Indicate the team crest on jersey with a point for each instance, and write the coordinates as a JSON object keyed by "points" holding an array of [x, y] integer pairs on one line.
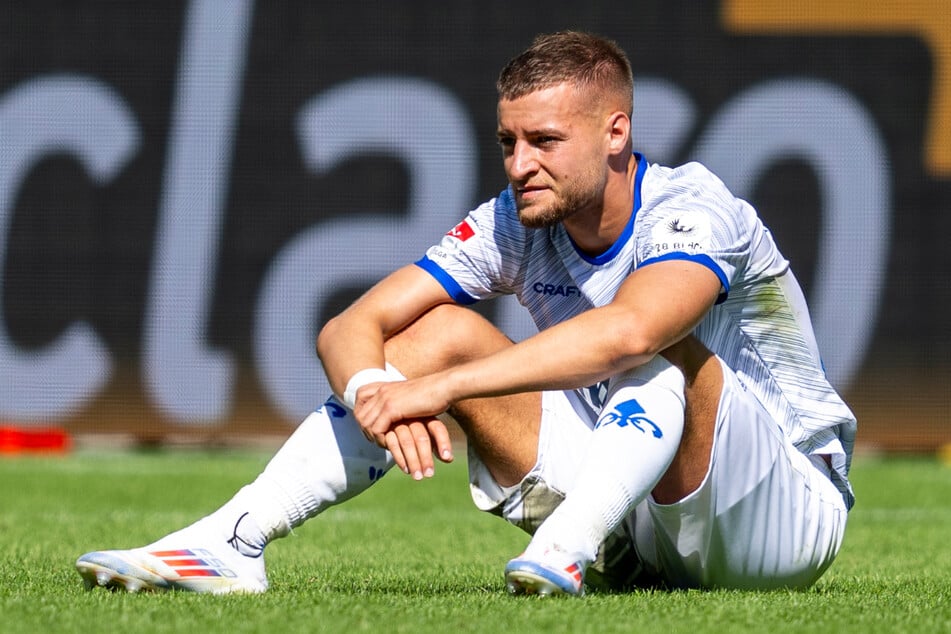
{"points": [[462, 231], [683, 231]]}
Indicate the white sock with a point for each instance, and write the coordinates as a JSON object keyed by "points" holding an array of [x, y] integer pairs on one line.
{"points": [[632, 446], [327, 460]]}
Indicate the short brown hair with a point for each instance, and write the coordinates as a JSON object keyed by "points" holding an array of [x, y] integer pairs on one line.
{"points": [[589, 61]]}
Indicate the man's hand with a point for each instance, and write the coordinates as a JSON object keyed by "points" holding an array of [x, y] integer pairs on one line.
{"points": [[412, 446], [401, 417]]}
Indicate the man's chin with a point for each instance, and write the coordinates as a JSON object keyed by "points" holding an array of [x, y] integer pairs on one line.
{"points": [[537, 222], [536, 217], [529, 219]]}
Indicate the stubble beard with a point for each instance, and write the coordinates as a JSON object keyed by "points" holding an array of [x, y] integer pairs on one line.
{"points": [[584, 195], [534, 216]]}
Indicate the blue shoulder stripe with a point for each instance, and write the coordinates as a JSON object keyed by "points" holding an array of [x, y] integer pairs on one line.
{"points": [[699, 258], [452, 287]]}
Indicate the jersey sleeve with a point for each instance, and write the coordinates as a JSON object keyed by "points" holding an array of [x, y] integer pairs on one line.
{"points": [[695, 217], [479, 257]]}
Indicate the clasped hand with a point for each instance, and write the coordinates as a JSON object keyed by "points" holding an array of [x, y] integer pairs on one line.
{"points": [[401, 417]]}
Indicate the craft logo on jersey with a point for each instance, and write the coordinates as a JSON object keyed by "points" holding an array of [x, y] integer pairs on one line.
{"points": [[556, 289], [462, 231], [630, 413]]}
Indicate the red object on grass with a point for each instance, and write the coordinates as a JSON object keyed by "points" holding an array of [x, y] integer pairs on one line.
{"points": [[20, 440]]}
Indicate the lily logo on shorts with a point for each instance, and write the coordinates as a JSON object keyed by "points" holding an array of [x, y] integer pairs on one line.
{"points": [[629, 413]]}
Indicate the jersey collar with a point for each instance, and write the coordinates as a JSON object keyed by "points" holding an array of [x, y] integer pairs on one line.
{"points": [[612, 252]]}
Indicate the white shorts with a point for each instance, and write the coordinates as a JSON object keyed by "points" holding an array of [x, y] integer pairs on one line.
{"points": [[765, 515]]}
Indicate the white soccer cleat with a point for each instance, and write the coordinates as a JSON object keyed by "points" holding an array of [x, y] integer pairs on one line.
{"points": [[186, 560], [555, 573]]}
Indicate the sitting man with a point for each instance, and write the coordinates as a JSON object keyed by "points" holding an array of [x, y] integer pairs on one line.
{"points": [[670, 423]]}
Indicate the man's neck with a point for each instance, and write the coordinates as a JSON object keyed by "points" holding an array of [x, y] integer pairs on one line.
{"points": [[594, 230]]}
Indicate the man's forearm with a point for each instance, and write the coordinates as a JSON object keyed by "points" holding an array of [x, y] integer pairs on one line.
{"points": [[346, 346], [580, 352], [353, 341]]}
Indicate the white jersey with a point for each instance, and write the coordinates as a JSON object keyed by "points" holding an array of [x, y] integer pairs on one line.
{"points": [[760, 325]]}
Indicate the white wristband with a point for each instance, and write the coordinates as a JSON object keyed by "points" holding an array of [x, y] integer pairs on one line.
{"points": [[364, 377]]}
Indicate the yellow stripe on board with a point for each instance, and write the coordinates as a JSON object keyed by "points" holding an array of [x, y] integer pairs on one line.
{"points": [[929, 20]]}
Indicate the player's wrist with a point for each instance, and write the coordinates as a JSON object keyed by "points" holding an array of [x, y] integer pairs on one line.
{"points": [[364, 377], [456, 385]]}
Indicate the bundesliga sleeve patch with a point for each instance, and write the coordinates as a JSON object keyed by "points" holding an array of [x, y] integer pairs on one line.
{"points": [[683, 231], [462, 231]]}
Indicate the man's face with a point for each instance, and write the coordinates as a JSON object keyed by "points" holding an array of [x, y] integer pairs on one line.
{"points": [[554, 149]]}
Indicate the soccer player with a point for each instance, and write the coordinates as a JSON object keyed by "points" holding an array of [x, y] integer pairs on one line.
{"points": [[671, 422]]}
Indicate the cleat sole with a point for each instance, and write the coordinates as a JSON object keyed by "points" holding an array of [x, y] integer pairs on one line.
{"points": [[524, 576], [523, 582], [94, 576], [118, 571]]}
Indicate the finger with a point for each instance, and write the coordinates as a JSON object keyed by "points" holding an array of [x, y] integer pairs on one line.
{"points": [[362, 401], [376, 423], [377, 438], [366, 413], [393, 445], [368, 434], [424, 448], [408, 445], [440, 435], [381, 418], [381, 438]]}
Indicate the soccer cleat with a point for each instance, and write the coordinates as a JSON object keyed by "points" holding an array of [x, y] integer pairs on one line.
{"points": [[185, 560], [558, 573]]}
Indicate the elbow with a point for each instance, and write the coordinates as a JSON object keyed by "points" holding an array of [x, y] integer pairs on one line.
{"points": [[326, 335], [632, 347]]}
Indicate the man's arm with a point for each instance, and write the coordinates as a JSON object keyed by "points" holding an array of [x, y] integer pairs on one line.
{"points": [[353, 340], [657, 306]]}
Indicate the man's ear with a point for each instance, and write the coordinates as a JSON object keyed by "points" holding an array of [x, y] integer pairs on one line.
{"points": [[619, 131]]}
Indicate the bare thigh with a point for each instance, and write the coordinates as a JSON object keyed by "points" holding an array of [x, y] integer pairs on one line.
{"points": [[504, 430], [703, 384]]}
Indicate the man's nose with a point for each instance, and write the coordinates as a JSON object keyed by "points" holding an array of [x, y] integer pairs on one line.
{"points": [[523, 162]]}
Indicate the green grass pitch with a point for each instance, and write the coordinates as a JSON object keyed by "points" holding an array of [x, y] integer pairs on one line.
{"points": [[418, 557]]}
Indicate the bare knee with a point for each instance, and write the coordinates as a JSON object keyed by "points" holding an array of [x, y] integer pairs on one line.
{"points": [[444, 336], [503, 431]]}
